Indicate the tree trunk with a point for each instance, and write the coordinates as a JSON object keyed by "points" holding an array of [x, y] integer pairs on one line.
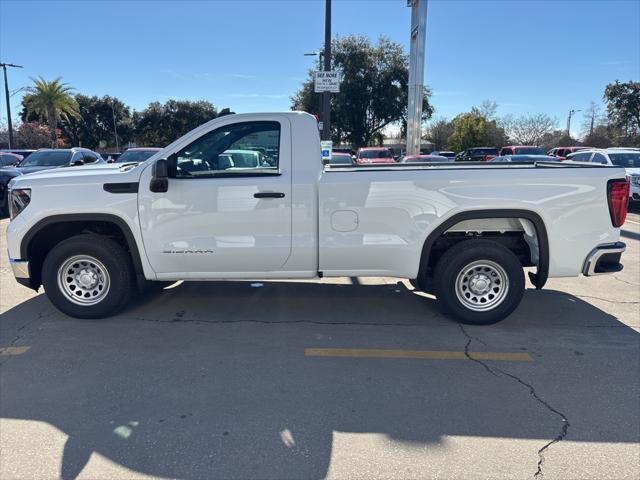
{"points": [[53, 125]]}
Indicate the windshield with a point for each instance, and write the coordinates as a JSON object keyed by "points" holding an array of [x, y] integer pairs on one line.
{"points": [[7, 160], [383, 153], [47, 158], [135, 156], [530, 151], [628, 160]]}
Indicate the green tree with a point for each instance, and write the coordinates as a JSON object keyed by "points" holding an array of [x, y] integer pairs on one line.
{"points": [[95, 122], [471, 129], [51, 101], [438, 133], [623, 108], [373, 90], [159, 125]]}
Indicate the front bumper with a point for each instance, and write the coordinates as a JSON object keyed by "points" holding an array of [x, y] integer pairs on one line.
{"points": [[21, 271], [604, 259]]}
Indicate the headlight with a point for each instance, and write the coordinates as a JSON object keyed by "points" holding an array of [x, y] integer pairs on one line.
{"points": [[18, 201]]}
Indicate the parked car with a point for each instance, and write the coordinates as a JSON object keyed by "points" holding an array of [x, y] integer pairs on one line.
{"points": [[463, 232], [9, 159], [628, 158], [521, 150], [477, 154], [523, 158], [338, 158], [137, 154], [374, 155], [23, 152], [424, 159], [563, 152], [444, 153], [348, 151], [6, 174], [47, 158]]}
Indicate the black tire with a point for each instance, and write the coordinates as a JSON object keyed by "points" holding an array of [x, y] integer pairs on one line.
{"points": [[116, 262], [499, 262]]}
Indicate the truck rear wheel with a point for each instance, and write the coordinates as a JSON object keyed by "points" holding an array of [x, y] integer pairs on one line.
{"points": [[479, 282], [88, 276]]}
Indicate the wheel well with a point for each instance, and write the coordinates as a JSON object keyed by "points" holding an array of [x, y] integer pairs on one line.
{"points": [[44, 239], [522, 232]]}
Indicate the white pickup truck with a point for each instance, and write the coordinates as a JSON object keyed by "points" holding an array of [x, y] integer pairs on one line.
{"points": [[247, 196]]}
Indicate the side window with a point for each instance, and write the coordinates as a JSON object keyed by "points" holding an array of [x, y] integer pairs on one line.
{"points": [[581, 157], [248, 148], [89, 157], [76, 156], [599, 158]]}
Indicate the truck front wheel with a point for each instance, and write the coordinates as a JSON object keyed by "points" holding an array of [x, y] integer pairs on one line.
{"points": [[479, 282], [88, 276]]}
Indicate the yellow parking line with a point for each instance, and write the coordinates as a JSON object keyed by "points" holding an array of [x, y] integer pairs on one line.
{"points": [[13, 350], [424, 354]]}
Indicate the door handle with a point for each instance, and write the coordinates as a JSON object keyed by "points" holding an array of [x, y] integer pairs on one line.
{"points": [[269, 195]]}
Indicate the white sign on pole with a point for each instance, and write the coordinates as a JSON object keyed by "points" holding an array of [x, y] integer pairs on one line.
{"points": [[327, 82], [327, 147]]}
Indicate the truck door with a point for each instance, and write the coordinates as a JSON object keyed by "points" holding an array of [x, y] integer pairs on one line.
{"points": [[228, 204]]}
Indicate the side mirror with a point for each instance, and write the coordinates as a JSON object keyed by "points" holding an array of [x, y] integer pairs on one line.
{"points": [[78, 163], [160, 179]]}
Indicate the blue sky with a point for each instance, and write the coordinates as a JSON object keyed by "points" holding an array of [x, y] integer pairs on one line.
{"points": [[530, 56]]}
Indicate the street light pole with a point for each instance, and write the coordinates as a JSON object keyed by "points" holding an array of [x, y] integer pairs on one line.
{"points": [[6, 94], [571, 112], [320, 95], [326, 96], [416, 74]]}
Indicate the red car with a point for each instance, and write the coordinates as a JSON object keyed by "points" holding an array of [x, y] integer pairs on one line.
{"points": [[562, 152], [521, 150], [374, 155]]}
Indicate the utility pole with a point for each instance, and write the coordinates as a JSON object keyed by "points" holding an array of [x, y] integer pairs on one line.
{"points": [[115, 130], [571, 112], [416, 74], [6, 94], [593, 118], [326, 96]]}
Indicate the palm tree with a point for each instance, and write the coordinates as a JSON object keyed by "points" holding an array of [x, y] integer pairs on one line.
{"points": [[51, 100]]}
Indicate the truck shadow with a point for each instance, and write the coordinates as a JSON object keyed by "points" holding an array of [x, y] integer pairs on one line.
{"points": [[210, 380]]}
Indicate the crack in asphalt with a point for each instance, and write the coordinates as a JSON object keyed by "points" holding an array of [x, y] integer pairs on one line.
{"points": [[560, 294], [12, 343], [180, 319], [627, 282], [532, 391]]}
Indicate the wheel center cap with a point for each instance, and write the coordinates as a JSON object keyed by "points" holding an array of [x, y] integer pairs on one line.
{"points": [[86, 279], [480, 284]]}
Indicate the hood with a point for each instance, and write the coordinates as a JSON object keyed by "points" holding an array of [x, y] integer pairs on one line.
{"points": [[87, 173], [25, 170]]}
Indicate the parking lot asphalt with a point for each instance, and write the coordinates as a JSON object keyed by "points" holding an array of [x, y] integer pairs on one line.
{"points": [[337, 378]]}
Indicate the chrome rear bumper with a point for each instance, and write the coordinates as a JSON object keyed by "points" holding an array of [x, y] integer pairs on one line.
{"points": [[604, 259]]}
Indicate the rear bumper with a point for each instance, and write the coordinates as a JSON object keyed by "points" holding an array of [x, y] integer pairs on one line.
{"points": [[604, 259]]}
